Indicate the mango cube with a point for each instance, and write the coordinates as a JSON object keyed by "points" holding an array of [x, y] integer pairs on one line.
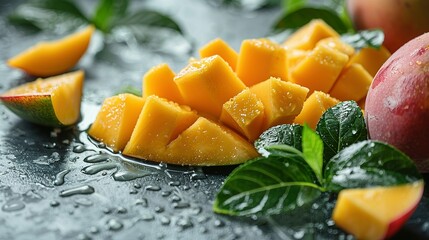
{"points": [[314, 107], [116, 120], [294, 57], [352, 84], [371, 59], [282, 100], [221, 48], [207, 84], [337, 44], [245, 114], [307, 36], [319, 70], [159, 80], [260, 59]]}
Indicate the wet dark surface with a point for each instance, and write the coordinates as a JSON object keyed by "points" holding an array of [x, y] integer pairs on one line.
{"points": [[57, 184]]}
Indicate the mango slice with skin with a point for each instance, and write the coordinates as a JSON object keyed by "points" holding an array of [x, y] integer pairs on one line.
{"points": [[378, 212], [116, 120], [53, 101], [207, 84], [282, 100], [314, 107], [371, 59], [221, 48], [55, 57], [260, 59], [159, 81]]}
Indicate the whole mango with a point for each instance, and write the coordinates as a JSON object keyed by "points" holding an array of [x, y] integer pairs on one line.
{"points": [[397, 104]]}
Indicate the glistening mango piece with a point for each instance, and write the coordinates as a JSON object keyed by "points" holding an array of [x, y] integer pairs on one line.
{"points": [[352, 84], [282, 100], [116, 120], [376, 213], [207, 143], [314, 107], [159, 80], [319, 70], [221, 48], [55, 57], [307, 36], [53, 101], [294, 57], [371, 59], [207, 84], [159, 122], [245, 114], [337, 44], [260, 59]]}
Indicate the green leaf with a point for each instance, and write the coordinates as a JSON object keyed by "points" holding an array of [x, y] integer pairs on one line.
{"points": [[341, 126], [288, 134], [130, 89], [148, 18], [301, 16], [368, 164], [267, 186], [312, 149], [109, 11], [292, 5], [366, 38], [59, 15]]}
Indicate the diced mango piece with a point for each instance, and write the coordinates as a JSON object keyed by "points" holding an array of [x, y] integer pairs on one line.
{"points": [[244, 113], [221, 48], [282, 100], [159, 80], [337, 44], [206, 143], [116, 120], [371, 59], [352, 84], [260, 59], [159, 122], [307, 36], [319, 70], [294, 57], [314, 107], [207, 84]]}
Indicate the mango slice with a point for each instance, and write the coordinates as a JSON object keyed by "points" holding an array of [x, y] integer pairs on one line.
{"points": [[207, 84], [55, 57], [376, 213], [245, 114], [159, 122], [319, 70], [159, 80], [337, 44], [206, 143], [116, 119], [221, 48], [307, 36], [314, 107], [371, 59], [282, 100], [352, 84], [260, 59], [53, 101]]}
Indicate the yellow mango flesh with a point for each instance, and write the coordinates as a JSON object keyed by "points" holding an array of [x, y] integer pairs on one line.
{"points": [[319, 70], [376, 213], [206, 143], [282, 100], [159, 81], [371, 59], [55, 57], [260, 59], [116, 120], [352, 84], [245, 114], [337, 44], [307, 36], [159, 122], [207, 84], [294, 57], [221, 48], [314, 107]]}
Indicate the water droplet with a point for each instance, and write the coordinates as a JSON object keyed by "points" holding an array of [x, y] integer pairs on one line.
{"points": [[81, 149], [146, 217], [203, 230], [54, 203], [95, 168], [164, 220], [218, 223], [83, 236], [175, 198], [184, 223], [165, 193], [128, 176], [196, 210], [299, 234], [133, 191], [94, 230], [31, 196], [121, 210], [49, 145], [152, 188], [13, 205], [159, 209], [59, 178], [186, 188], [180, 205], [198, 176], [84, 202], [86, 189], [96, 158], [330, 223], [137, 185], [114, 225], [142, 201], [107, 211], [174, 183]]}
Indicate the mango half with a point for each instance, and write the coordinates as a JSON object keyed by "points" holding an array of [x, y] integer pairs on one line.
{"points": [[54, 101]]}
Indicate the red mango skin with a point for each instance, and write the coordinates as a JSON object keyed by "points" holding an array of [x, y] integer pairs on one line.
{"points": [[397, 104], [401, 20]]}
